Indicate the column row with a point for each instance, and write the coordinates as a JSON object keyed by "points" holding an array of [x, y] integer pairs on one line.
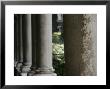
{"points": [[33, 45]]}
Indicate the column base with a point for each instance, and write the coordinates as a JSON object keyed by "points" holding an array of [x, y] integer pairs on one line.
{"points": [[52, 74], [18, 66], [16, 73], [24, 70], [15, 63], [32, 71], [23, 74], [45, 72]]}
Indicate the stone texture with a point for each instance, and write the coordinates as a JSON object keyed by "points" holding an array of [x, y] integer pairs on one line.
{"points": [[80, 44], [44, 47], [27, 44]]}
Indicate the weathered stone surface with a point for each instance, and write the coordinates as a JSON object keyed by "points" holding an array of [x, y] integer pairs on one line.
{"points": [[80, 44]]}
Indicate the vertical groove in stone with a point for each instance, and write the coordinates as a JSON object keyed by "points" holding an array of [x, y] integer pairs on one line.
{"points": [[34, 30]]}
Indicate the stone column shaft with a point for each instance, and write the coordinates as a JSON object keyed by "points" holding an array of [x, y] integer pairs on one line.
{"points": [[15, 40], [34, 45], [20, 43], [21, 40], [44, 63], [27, 44], [46, 41], [80, 38], [16, 45]]}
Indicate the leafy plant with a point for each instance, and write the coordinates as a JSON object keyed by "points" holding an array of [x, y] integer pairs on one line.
{"points": [[58, 53]]}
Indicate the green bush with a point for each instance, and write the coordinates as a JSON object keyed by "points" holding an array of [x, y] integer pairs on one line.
{"points": [[58, 53]]}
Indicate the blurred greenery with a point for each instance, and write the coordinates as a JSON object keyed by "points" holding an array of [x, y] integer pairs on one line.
{"points": [[58, 53]]}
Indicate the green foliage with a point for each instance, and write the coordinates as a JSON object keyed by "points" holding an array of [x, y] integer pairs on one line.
{"points": [[57, 38], [58, 53], [58, 48]]}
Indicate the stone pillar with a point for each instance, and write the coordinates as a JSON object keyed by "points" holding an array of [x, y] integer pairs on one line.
{"points": [[44, 63], [20, 43], [27, 45], [80, 35], [34, 45], [16, 45], [15, 40]]}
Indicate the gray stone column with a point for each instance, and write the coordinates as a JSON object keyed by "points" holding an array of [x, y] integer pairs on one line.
{"points": [[34, 45], [16, 55], [44, 63], [27, 45], [17, 44], [20, 42], [80, 44]]}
